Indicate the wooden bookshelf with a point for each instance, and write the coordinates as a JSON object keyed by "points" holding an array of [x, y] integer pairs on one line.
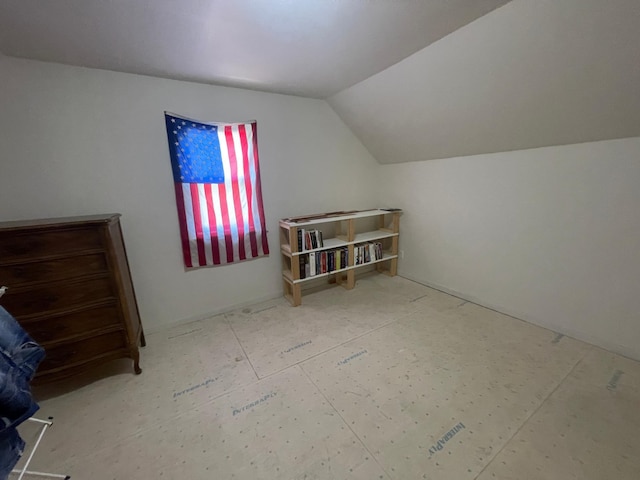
{"points": [[369, 235]]}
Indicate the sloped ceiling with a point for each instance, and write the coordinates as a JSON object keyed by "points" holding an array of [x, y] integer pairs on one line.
{"points": [[532, 73], [413, 79], [312, 48]]}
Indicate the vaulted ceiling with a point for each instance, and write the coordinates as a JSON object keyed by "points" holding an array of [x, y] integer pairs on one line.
{"points": [[311, 48], [413, 79], [533, 73]]}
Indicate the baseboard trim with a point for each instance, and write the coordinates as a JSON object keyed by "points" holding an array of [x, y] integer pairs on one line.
{"points": [[625, 351], [214, 313]]}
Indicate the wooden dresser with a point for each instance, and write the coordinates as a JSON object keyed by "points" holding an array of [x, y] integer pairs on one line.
{"points": [[71, 290]]}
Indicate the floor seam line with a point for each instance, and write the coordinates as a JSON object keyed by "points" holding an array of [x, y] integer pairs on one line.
{"points": [[329, 349], [375, 459], [241, 347], [526, 420]]}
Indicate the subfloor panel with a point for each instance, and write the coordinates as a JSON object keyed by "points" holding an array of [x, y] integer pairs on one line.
{"points": [[275, 335], [588, 429], [390, 380], [438, 395], [182, 367], [280, 427]]}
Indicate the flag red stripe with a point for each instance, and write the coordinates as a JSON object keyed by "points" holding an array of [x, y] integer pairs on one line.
{"points": [[235, 188], [197, 220], [213, 226], [265, 245], [182, 221], [249, 190]]}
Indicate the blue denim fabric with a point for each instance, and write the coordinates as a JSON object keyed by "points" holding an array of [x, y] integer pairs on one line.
{"points": [[19, 359], [11, 448]]}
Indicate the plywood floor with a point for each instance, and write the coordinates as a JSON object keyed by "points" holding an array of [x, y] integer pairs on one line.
{"points": [[391, 380]]}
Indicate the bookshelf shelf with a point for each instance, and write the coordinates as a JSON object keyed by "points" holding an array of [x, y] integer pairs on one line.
{"points": [[334, 245], [328, 244]]}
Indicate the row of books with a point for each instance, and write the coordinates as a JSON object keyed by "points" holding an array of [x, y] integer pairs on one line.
{"points": [[317, 263], [328, 261], [367, 252], [309, 239]]}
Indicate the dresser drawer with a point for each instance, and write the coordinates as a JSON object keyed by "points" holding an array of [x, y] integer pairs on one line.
{"points": [[15, 246], [52, 270], [70, 289], [77, 352], [38, 301], [57, 328]]}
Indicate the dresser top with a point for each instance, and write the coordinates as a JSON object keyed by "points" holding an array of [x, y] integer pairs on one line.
{"points": [[59, 222]]}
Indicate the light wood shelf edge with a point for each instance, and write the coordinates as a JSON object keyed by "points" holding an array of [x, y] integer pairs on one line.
{"points": [[352, 267]]}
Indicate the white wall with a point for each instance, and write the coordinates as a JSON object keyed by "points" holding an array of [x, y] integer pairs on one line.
{"points": [[77, 141], [532, 73], [549, 235]]}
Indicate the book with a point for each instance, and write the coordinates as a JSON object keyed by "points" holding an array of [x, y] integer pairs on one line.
{"points": [[300, 239], [312, 264], [301, 260], [377, 248]]}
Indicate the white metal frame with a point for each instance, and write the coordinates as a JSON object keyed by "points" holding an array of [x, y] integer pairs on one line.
{"points": [[44, 424]]}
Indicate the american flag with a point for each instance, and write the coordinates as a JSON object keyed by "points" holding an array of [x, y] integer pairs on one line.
{"points": [[217, 185]]}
